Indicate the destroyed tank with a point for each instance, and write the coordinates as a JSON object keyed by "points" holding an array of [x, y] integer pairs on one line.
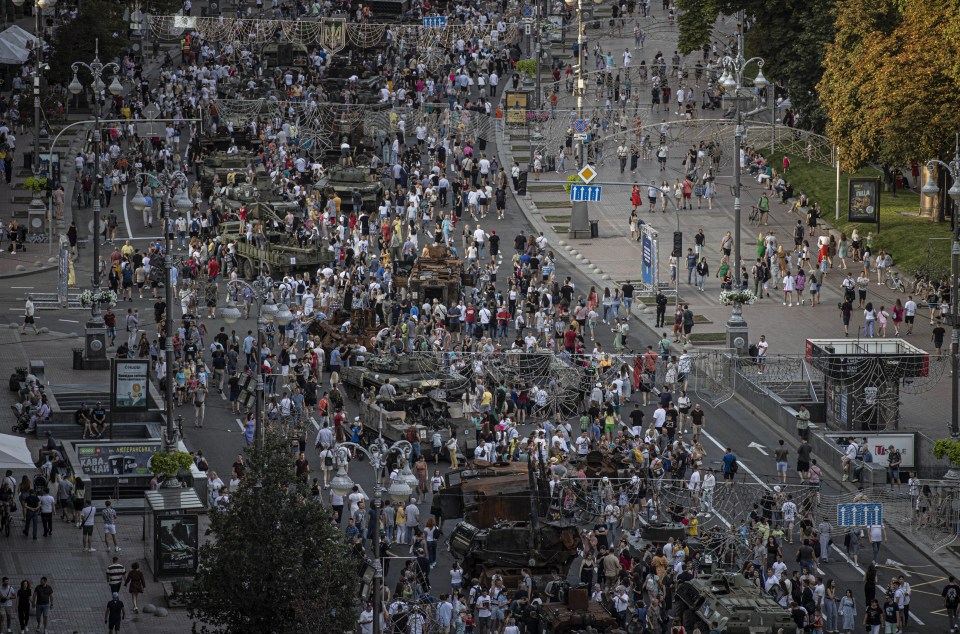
{"points": [[419, 383], [344, 180], [729, 603], [545, 548], [281, 255]]}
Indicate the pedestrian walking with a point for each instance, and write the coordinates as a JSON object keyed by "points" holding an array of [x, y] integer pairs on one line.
{"points": [[42, 603], [116, 572], [109, 516], [136, 583], [29, 310], [114, 614], [87, 520]]}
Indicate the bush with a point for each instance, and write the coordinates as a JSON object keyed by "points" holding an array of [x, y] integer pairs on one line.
{"points": [[170, 464], [949, 449]]}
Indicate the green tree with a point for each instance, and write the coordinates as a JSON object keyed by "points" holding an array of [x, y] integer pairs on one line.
{"points": [[695, 21], [98, 20], [789, 35], [276, 562], [889, 82]]}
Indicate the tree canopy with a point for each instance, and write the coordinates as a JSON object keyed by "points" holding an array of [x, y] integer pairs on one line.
{"points": [[276, 563], [890, 83], [789, 35]]}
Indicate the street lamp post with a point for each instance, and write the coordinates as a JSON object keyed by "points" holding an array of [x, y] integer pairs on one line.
{"points": [[931, 189], [95, 326], [732, 79], [38, 8], [181, 202], [399, 491], [261, 292]]}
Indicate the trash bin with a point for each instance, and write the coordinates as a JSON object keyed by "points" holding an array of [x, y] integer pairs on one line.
{"points": [[551, 163], [594, 228], [78, 358], [27, 159]]}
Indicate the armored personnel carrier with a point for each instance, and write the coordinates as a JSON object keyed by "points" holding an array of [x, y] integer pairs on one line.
{"points": [[227, 169], [344, 180], [729, 603]]}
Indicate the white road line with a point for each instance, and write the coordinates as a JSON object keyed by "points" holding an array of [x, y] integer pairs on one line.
{"points": [[240, 425], [314, 423], [22, 287], [742, 465], [126, 217], [767, 487], [223, 396], [69, 321]]}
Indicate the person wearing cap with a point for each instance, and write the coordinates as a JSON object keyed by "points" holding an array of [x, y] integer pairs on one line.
{"points": [[114, 614]]}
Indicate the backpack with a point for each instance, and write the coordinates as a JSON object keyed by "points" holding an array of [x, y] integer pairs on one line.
{"points": [[734, 466]]}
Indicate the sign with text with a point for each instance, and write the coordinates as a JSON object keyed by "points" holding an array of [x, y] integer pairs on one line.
{"points": [[128, 387], [118, 459], [863, 198], [879, 445]]}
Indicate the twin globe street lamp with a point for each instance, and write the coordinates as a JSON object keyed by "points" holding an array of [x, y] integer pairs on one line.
{"points": [[261, 292], [399, 491], [732, 80], [931, 189], [182, 203]]}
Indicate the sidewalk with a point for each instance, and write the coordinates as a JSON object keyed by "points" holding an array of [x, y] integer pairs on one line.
{"points": [[614, 258]]}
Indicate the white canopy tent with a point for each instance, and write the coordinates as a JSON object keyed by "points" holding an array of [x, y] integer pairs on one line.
{"points": [[12, 54], [15, 45], [18, 36], [14, 453]]}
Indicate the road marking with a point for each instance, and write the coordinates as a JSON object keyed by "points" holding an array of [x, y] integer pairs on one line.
{"points": [[759, 448], [126, 217], [69, 321], [742, 465], [844, 556], [22, 287], [314, 423], [240, 425]]}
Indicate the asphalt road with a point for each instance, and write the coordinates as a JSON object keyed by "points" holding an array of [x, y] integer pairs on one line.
{"points": [[728, 425]]}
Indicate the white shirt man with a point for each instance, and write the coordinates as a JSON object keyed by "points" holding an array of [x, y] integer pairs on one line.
{"points": [[659, 417]]}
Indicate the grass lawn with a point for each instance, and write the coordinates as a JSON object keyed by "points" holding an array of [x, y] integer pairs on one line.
{"points": [[905, 237]]}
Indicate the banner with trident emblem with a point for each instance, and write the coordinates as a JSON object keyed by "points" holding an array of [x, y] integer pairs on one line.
{"points": [[333, 34]]}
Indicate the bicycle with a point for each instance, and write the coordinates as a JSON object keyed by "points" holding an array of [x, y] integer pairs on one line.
{"points": [[894, 283], [755, 215]]}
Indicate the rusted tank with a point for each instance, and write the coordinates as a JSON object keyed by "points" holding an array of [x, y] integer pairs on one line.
{"points": [[542, 548]]}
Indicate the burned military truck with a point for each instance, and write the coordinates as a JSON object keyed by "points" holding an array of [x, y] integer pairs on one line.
{"points": [[728, 602]]}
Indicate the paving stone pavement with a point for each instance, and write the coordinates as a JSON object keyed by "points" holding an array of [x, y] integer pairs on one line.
{"points": [[614, 257]]}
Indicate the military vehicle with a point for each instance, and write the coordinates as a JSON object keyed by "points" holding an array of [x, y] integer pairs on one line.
{"points": [[280, 255], [423, 387], [284, 54], [223, 168], [543, 548], [435, 275], [395, 425], [344, 180], [560, 618], [729, 603]]}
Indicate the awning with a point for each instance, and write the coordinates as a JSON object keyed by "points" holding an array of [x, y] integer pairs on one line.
{"points": [[15, 45]]}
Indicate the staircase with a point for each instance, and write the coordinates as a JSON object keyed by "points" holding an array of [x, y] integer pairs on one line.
{"points": [[795, 391]]}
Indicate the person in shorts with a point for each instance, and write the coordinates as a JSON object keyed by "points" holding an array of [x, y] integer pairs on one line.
{"points": [[88, 517], [114, 614], [109, 516], [780, 456]]}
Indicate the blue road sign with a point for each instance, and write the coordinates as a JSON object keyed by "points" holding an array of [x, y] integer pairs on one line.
{"points": [[435, 22], [859, 514], [580, 125], [585, 193], [527, 11]]}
